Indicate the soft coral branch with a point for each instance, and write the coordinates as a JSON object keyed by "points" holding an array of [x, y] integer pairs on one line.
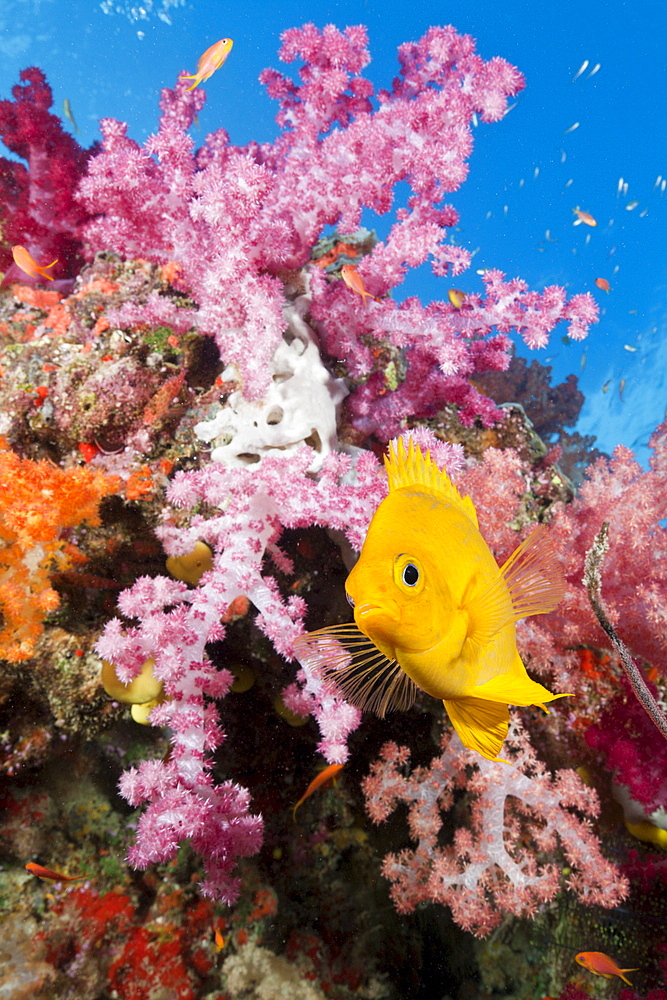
{"points": [[495, 863], [38, 207]]}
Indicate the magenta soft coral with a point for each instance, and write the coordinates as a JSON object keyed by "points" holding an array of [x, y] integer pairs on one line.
{"points": [[632, 749], [242, 218], [38, 207]]}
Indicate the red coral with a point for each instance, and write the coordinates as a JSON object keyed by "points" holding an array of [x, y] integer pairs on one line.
{"points": [[37, 204]]}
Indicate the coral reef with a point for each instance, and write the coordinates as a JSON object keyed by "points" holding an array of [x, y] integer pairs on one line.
{"points": [[209, 389]]}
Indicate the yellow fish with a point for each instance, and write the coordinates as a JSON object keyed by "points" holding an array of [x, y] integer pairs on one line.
{"points": [[209, 61], [432, 610]]}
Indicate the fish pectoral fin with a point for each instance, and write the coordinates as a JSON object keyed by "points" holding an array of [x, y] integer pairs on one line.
{"points": [[366, 677], [534, 576], [531, 582], [481, 725], [511, 689]]}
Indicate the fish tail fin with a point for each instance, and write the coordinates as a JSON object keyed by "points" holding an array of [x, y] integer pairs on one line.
{"points": [[42, 270], [481, 725], [622, 972]]}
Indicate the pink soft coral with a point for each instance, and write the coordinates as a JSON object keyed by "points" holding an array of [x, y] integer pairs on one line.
{"points": [[517, 816], [243, 219]]}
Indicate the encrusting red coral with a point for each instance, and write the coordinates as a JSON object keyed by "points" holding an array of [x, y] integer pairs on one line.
{"points": [[40, 503]]}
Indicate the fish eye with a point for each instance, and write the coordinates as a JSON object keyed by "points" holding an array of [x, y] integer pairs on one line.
{"points": [[410, 575], [350, 600]]}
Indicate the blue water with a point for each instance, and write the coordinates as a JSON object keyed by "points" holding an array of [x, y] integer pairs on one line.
{"points": [[526, 174]]}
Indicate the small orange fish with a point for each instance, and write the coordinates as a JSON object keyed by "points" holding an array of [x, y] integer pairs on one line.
{"points": [[42, 872], [456, 297], [603, 284], [219, 940], [653, 675], [353, 280], [25, 260], [584, 217], [209, 61], [327, 774], [601, 965]]}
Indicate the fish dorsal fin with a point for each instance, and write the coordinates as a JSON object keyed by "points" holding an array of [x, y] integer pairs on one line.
{"points": [[413, 468], [531, 582]]}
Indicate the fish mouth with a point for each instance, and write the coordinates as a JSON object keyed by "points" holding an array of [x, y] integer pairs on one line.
{"points": [[366, 611]]}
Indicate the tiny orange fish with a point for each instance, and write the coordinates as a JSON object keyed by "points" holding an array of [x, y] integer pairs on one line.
{"points": [[603, 284], [219, 940], [653, 675], [25, 260], [353, 280], [42, 872], [456, 297], [601, 965], [327, 774], [209, 61], [584, 217]]}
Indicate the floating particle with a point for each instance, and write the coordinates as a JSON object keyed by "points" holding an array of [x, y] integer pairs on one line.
{"points": [[572, 128], [582, 69], [631, 204], [594, 70], [629, 347]]}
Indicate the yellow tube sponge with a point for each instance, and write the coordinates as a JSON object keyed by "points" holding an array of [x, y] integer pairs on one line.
{"points": [[191, 567], [143, 688]]}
